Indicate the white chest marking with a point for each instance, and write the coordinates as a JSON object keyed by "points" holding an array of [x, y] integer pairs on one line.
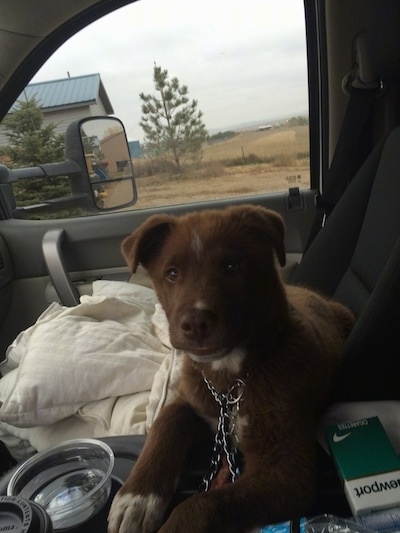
{"points": [[232, 362]]}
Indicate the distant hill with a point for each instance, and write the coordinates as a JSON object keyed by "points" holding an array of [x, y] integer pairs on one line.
{"points": [[253, 125]]}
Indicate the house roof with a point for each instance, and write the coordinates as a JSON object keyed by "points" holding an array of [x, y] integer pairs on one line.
{"points": [[76, 91]]}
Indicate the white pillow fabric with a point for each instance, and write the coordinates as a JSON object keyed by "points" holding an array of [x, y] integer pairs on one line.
{"points": [[112, 344]]}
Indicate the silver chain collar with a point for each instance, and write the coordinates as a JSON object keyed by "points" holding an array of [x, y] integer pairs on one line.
{"points": [[226, 435]]}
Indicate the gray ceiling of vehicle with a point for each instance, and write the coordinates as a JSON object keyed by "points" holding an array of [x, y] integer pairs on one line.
{"points": [[25, 23]]}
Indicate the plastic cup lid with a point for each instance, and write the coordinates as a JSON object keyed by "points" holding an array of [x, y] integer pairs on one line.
{"points": [[23, 516]]}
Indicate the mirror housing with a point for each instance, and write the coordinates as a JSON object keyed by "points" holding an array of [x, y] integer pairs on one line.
{"points": [[100, 147]]}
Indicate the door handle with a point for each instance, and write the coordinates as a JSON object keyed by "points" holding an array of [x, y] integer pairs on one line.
{"points": [[51, 246]]}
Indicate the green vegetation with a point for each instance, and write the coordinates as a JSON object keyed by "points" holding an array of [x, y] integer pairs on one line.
{"points": [[32, 143], [221, 136], [173, 126], [298, 121]]}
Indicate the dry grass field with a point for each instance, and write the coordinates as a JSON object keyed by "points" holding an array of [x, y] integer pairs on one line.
{"points": [[251, 162], [284, 142]]}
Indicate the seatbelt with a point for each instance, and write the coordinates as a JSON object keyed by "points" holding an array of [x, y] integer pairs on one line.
{"points": [[355, 138]]}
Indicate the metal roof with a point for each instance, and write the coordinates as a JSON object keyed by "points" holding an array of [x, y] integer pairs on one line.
{"points": [[80, 90]]}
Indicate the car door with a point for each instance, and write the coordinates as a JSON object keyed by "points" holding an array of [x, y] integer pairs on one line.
{"points": [[247, 70]]}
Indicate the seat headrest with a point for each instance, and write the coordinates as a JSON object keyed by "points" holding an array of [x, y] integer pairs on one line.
{"points": [[383, 38]]}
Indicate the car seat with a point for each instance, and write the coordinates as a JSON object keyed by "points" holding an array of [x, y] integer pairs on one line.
{"points": [[355, 257]]}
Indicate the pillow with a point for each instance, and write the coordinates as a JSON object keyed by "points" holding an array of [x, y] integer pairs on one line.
{"points": [[104, 347]]}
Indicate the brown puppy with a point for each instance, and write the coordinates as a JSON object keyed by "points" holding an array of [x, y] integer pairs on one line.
{"points": [[275, 348]]}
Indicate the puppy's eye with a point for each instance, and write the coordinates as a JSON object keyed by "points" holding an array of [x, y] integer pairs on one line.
{"points": [[232, 265], [172, 274]]}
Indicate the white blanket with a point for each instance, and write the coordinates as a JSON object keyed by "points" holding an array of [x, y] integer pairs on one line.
{"points": [[102, 368]]}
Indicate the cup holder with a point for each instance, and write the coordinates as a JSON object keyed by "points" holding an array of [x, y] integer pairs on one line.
{"points": [[98, 523], [126, 451]]}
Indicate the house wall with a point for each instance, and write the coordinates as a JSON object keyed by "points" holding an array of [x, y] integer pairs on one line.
{"points": [[98, 109], [114, 149], [63, 117]]}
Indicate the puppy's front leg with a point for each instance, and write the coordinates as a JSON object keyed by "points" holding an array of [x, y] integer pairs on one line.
{"points": [[140, 504]]}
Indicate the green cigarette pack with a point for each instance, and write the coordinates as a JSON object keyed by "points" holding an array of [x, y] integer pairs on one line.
{"points": [[367, 464]]}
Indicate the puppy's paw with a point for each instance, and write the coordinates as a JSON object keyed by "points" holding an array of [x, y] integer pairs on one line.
{"points": [[136, 513]]}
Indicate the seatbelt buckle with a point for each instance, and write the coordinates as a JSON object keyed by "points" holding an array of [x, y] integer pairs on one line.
{"points": [[325, 206]]}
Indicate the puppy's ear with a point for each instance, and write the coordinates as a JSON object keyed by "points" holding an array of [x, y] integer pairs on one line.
{"points": [[144, 243], [270, 223]]}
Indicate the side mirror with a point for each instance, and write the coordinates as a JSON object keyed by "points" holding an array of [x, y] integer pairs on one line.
{"points": [[97, 173], [108, 163]]}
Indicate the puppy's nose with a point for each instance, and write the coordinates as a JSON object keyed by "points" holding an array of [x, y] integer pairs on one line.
{"points": [[198, 324]]}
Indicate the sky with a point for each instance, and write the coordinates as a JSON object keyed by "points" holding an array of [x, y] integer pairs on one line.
{"points": [[242, 61]]}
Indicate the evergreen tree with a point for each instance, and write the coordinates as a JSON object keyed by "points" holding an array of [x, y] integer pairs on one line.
{"points": [[30, 143], [172, 124]]}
